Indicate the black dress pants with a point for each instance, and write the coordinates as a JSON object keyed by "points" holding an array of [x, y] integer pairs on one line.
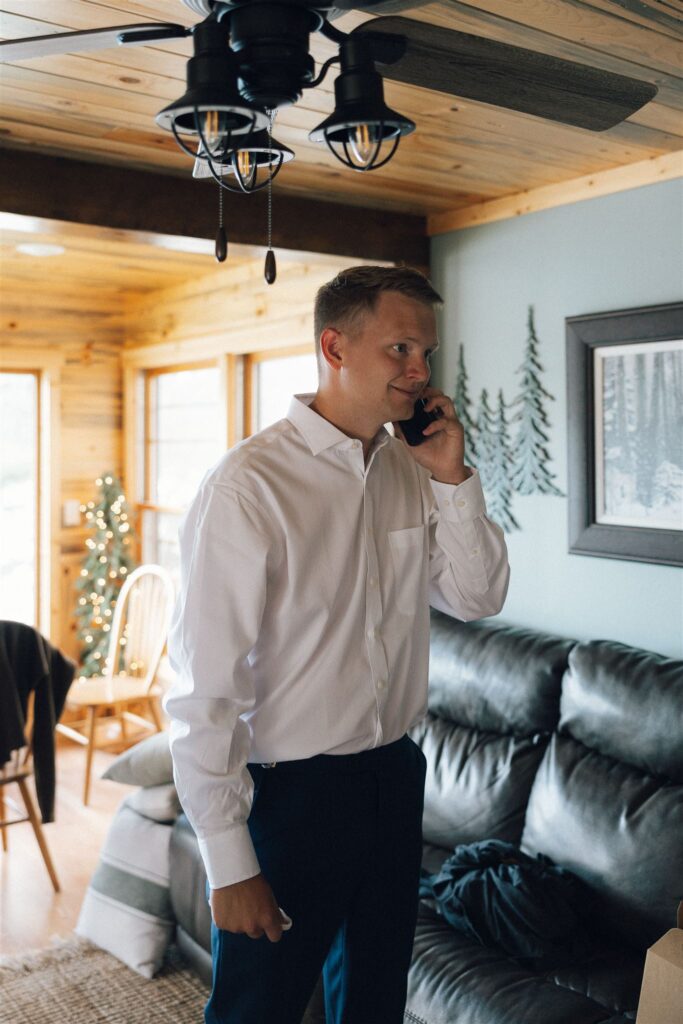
{"points": [[339, 839]]}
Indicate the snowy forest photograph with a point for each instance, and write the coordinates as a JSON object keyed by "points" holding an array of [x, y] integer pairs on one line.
{"points": [[625, 434], [639, 434]]}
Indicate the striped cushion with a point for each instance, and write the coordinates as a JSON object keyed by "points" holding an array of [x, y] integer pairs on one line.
{"points": [[127, 907]]}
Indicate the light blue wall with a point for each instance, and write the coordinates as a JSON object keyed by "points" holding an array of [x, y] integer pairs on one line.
{"points": [[617, 252]]}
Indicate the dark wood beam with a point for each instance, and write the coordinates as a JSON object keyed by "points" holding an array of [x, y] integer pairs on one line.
{"points": [[112, 196]]}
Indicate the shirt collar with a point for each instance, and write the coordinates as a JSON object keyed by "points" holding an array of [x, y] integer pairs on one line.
{"points": [[318, 432]]}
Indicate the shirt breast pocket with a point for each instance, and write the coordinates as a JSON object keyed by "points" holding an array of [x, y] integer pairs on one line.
{"points": [[408, 559]]}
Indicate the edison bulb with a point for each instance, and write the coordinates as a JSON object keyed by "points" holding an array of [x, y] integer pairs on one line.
{"points": [[211, 128], [246, 165], [363, 141]]}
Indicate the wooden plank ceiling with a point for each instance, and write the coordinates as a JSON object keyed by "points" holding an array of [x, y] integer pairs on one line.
{"points": [[100, 106]]}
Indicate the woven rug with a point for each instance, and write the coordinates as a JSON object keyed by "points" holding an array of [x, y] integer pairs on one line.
{"points": [[74, 982]]}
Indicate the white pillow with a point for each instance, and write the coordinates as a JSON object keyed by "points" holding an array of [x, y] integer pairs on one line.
{"points": [[127, 906], [160, 803], [146, 764]]}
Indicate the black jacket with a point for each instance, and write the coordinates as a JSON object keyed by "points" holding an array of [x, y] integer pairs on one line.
{"points": [[29, 663]]}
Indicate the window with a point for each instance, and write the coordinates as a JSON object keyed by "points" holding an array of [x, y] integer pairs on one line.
{"points": [[184, 436], [19, 472], [275, 378]]}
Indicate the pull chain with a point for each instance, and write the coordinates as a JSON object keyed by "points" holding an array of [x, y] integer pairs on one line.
{"points": [[221, 237], [270, 269]]}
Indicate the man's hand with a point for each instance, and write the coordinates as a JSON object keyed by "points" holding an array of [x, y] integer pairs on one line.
{"points": [[247, 908], [443, 451]]}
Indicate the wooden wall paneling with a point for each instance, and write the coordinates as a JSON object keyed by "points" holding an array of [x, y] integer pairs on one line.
{"points": [[233, 313], [647, 172], [163, 204], [70, 567], [102, 105]]}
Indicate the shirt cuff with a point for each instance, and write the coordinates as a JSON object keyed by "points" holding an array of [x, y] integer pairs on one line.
{"points": [[229, 857], [460, 503]]}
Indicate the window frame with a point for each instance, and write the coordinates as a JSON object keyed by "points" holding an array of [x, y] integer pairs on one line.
{"points": [[251, 360], [46, 365], [236, 397]]}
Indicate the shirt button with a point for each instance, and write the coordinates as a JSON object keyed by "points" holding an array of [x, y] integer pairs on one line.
{"points": [[475, 551], [356, 444], [372, 582], [373, 633], [447, 501], [461, 503], [381, 684]]}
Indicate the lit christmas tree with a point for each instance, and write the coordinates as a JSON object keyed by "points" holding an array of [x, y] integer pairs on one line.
{"points": [[108, 562], [499, 501], [530, 457], [463, 406]]}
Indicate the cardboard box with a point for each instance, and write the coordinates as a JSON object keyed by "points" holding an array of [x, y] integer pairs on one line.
{"points": [[661, 994]]}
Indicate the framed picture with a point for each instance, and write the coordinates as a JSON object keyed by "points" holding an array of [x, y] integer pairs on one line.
{"points": [[625, 434]]}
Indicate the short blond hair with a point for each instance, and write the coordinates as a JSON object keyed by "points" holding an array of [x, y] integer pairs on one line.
{"points": [[355, 291]]}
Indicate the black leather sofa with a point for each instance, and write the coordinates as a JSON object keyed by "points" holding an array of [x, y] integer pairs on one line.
{"points": [[574, 750]]}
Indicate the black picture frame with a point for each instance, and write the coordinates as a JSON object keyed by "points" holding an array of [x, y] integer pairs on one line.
{"points": [[583, 335]]}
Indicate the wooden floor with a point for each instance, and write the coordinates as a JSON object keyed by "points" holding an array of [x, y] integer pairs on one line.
{"points": [[30, 910]]}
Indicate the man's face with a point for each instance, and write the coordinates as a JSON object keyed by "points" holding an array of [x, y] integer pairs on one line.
{"points": [[386, 357]]}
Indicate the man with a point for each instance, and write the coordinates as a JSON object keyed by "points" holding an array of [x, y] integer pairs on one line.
{"points": [[300, 642]]}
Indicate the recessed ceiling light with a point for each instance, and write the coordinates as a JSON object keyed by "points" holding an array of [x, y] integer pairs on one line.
{"points": [[40, 249]]}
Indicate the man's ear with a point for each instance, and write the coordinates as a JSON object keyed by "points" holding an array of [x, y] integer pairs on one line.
{"points": [[332, 347]]}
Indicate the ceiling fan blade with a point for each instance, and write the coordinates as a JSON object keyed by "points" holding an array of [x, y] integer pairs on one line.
{"points": [[377, 6], [95, 39], [510, 76]]}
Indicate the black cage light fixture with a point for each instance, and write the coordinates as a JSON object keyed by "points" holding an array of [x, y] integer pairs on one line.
{"points": [[249, 163], [362, 132], [212, 110], [249, 60], [251, 57]]}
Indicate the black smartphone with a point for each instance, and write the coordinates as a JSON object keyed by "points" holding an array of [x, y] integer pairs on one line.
{"points": [[412, 428]]}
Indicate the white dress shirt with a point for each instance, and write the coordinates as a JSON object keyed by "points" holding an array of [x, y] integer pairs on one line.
{"points": [[302, 624]]}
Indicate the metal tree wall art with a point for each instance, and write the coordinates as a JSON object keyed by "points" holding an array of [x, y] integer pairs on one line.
{"points": [[486, 439], [530, 457], [463, 407], [499, 483]]}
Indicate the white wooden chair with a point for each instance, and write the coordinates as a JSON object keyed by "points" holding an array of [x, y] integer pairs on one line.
{"points": [[137, 639], [18, 770]]}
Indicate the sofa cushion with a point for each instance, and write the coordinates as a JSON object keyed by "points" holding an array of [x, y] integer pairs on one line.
{"points": [[616, 827], [453, 979], [495, 678], [148, 763], [188, 884], [126, 909], [627, 704], [477, 783]]}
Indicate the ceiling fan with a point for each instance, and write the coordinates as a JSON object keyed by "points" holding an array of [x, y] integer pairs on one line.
{"points": [[252, 57]]}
